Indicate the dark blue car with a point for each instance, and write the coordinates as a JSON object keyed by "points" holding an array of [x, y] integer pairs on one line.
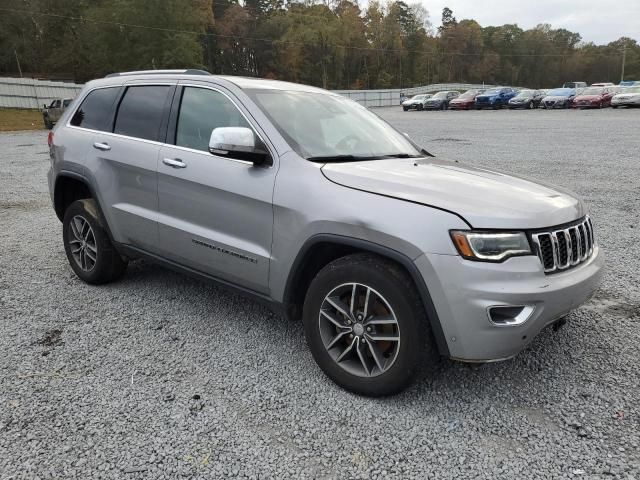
{"points": [[495, 98]]}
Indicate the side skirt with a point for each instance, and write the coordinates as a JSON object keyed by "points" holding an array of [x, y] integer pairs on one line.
{"points": [[135, 252]]}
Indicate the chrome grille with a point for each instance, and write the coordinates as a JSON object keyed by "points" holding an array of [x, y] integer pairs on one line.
{"points": [[565, 247]]}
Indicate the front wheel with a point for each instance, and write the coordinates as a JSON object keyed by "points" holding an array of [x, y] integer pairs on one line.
{"points": [[405, 109], [366, 326], [86, 243]]}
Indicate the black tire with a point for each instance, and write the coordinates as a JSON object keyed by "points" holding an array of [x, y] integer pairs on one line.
{"points": [[614, 106], [416, 347], [108, 264], [420, 107], [405, 109]]}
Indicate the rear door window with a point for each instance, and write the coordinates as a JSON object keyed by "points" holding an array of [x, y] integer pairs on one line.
{"points": [[95, 111], [140, 111]]}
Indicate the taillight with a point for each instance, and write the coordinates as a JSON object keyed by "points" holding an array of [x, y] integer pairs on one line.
{"points": [[50, 139]]}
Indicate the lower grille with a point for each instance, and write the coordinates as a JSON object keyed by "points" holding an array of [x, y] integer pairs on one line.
{"points": [[565, 248]]}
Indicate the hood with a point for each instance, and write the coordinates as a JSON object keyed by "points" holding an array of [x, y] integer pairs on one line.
{"points": [[487, 96], [588, 97], [554, 98], [626, 96], [485, 199], [462, 100]]}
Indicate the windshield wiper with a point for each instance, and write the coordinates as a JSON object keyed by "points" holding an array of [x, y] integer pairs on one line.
{"points": [[401, 155], [358, 158], [341, 158]]}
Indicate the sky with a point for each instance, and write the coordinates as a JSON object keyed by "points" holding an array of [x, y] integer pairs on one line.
{"points": [[597, 21]]}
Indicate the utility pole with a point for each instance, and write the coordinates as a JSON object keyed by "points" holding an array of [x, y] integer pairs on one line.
{"points": [[15, 52], [624, 60]]}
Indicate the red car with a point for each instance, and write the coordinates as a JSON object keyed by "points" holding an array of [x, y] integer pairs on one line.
{"points": [[466, 101], [593, 97]]}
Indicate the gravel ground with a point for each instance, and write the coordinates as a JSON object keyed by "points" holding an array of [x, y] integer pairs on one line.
{"points": [[163, 376]]}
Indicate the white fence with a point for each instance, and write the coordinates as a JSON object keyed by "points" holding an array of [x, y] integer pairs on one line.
{"points": [[30, 93]]}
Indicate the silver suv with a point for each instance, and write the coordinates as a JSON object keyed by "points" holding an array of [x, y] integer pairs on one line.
{"points": [[312, 204]]}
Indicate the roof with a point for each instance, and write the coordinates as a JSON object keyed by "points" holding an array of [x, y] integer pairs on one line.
{"points": [[242, 82]]}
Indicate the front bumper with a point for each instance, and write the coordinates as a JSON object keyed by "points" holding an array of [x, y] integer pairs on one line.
{"points": [[462, 291]]}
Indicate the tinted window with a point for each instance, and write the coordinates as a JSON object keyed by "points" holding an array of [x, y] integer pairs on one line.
{"points": [[66, 103], [95, 110], [140, 111], [202, 110]]}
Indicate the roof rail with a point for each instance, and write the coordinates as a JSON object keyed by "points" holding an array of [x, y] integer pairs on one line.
{"points": [[188, 71]]}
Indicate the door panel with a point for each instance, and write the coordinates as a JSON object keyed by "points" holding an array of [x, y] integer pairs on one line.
{"points": [[215, 213], [128, 186], [216, 216]]}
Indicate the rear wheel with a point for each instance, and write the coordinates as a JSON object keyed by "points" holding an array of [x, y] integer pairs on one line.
{"points": [[89, 250], [365, 325]]}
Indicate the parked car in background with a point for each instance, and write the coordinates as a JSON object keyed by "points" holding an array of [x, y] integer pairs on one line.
{"points": [[466, 101], [52, 113], [440, 101], [602, 84], [559, 98], [417, 102], [593, 97], [629, 98], [529, 99], [629, 83], [495, 98], [574, 85], [315, 206]]}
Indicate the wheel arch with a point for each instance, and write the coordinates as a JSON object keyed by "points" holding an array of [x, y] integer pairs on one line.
{"points": [[321, 249], [69, 187]]}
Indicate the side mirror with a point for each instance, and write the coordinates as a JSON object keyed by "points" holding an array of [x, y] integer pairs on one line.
{"points": [[240, 143]]}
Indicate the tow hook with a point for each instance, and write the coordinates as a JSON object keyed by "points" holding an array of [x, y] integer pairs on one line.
{"points": [[558, 324]]}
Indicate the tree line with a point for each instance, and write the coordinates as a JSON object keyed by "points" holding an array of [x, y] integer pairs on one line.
{"points": [[335, 44]]}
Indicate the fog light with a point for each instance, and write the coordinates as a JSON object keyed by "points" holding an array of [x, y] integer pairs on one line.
{"points": [[510, 315]]}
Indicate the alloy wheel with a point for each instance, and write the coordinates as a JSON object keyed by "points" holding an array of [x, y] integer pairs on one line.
{"points": [[359, 330], [83, 243]]}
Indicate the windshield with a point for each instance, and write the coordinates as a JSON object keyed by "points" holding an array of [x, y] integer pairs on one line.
{"points": [[593, 91], [440, 96], [631, 90], [561, 92], [524, 94], [321, 126], [417, 97], [492, 91]]}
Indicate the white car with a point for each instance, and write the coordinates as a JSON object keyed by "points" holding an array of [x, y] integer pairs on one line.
{"points": [[416, 102], [629, 98]]}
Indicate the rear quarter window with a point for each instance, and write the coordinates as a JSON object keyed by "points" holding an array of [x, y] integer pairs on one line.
{"points": [[95, 110]]}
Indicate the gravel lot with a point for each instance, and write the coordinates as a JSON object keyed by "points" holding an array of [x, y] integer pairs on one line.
{"points": [[163, 376]]}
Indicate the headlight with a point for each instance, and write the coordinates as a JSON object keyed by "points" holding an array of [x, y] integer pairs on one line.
{"points": [[490, 246]]}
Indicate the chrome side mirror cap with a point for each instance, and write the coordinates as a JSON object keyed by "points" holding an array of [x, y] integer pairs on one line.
{"points": [[239, 143]]}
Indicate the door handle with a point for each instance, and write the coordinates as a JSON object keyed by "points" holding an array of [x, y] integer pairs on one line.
{"points": [[102, 146], [174, 162]]}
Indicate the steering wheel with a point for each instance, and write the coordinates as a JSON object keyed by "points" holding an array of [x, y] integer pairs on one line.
{"points": [[349, 142]]}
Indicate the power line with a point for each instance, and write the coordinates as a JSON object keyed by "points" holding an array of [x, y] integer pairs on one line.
{"points": [[278, 41]]}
